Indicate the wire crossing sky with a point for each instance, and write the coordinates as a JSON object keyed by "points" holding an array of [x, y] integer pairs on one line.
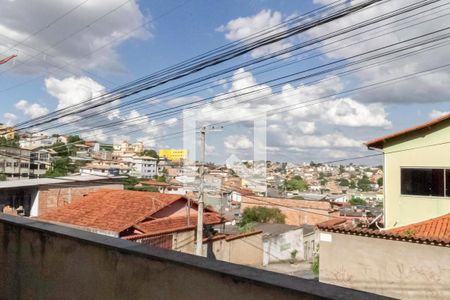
{"points": [[327, 75]]}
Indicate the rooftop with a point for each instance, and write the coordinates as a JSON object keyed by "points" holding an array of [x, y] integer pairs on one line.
{"points": [[111, 210], [50, 181], [433, 232], [435, 229], [379, 142]]}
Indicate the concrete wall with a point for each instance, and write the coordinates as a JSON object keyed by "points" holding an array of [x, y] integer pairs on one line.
{"points": [[426, 149], [393, 268], [54, 196], [247, 250], [278, 248], [45, 261]]}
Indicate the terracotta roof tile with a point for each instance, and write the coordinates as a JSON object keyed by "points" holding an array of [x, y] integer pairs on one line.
{"points": [[111, 210], [173, 224], [434, 231], [437, 228], [379, 142]]}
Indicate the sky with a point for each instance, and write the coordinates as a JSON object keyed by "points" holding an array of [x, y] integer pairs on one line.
{"points": [[69, 51]]}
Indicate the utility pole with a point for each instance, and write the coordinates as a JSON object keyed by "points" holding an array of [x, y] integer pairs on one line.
{"points": [[201, 200], [201, 203]]}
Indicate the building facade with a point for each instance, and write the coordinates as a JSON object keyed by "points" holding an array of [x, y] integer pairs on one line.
{"points": [[417, 172], [173, 154]]}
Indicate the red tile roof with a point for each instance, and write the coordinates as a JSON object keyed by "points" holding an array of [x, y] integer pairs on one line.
{"points": [[155, 183], [173, 224], [379, 142], [435, 231], [178, 222], [111, 210]]}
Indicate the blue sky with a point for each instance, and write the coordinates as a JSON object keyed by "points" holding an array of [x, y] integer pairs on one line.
{"points": [[32, 85]]}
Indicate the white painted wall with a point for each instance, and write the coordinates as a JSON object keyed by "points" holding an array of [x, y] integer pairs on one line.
{"points": [[278, 248]]}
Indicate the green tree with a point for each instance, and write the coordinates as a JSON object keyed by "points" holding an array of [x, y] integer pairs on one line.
{"points": [[161, 178], [344, 182], [357, 201], [352, 184], [364, 184], [9, 143], [2, 177], [60, 167], [262, 215], [151, 153], [380, 181], [296, 183]]}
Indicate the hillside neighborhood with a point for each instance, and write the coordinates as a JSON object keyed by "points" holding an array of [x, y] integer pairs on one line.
{"points": [[284, 164]]}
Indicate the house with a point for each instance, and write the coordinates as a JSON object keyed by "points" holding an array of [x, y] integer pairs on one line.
{"points": [[122, 213], [281, 242], [40, 161], [126, 148], [142, 166], [33, 197], [14, 162], [416, 172], [297, 212], [407, 262]]}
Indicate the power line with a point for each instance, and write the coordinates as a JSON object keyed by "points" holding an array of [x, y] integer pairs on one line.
{"points": [[112, 41], [239, 51], [287, 64]]}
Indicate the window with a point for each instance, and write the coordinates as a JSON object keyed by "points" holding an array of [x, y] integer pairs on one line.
{"points": [[425, 182]]}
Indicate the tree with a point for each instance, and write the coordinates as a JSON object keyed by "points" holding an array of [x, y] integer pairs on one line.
{"points": [[151, 153], [352, 184], [9, 143], [344, 182], [296, 183], [60, 167], [357, 201], [380, 181], [262, 215], [161, 178], [2, 177], [364, 184]]}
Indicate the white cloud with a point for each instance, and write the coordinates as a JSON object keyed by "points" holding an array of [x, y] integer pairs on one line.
{"points": [[31, 110], [243, 27], [437, 113], [10, 118], [183, 100], [20, 19], [428, 88], [237, 142], [348, 112], [73, 90]]}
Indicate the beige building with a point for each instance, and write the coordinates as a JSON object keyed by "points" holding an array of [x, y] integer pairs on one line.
{"points": [[416, 172], [126, 148]]}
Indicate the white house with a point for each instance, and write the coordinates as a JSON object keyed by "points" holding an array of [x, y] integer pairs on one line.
{"points": [[142, 166]]}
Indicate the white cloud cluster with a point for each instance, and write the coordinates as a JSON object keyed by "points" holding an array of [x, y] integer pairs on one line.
{"points": [[73, 90], [431, 87], [20, 19], [238, 142], [437, 113], [299, 117], [10, 118], [241, 28], [33, 110]]}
